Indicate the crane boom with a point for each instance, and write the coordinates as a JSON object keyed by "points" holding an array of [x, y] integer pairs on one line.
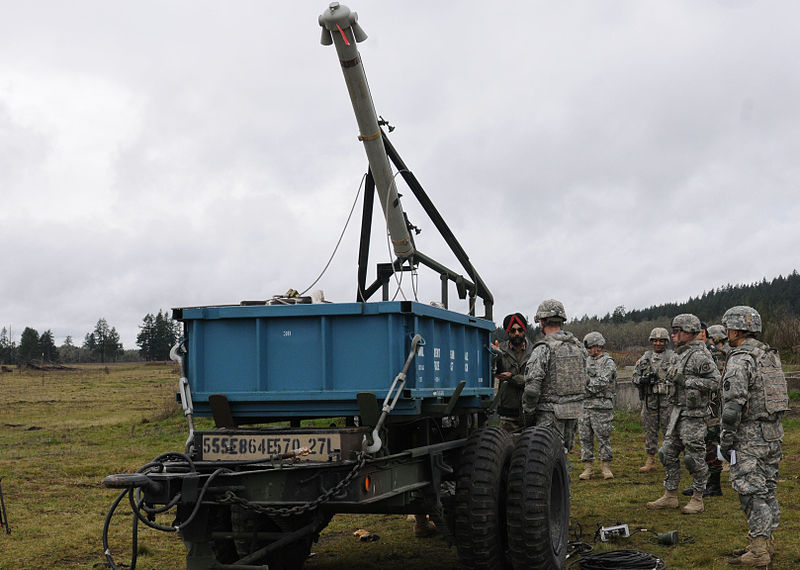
{"points": [[340, 28]]}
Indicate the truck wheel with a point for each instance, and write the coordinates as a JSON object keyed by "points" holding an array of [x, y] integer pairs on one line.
{"points": [[537, 504], [479, 521]]}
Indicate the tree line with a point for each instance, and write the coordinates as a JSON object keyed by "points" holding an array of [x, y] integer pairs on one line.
{"points": [[778, 302], [158, 333]]}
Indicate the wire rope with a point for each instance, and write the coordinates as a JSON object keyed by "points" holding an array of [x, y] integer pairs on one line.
{"points": [[341, 235]]}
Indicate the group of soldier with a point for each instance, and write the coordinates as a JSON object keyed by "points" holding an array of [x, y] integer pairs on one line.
{"points": [[719, 394]]}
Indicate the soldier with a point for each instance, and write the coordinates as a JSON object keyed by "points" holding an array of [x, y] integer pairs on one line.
{"points": [[694, 378], [650, 375], [598, 407], [555, 377], [717, 335], [713, 486], [512, 357], [754, 400]]}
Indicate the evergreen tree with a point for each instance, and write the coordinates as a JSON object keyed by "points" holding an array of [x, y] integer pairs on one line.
{"points": [[157, 336], [144, 340], [29, 346], [103, 342], [47, 347], [8, 349], [68, 352]]}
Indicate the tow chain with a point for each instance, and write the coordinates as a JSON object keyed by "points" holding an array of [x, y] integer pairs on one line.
{"points": [[233, 498]]}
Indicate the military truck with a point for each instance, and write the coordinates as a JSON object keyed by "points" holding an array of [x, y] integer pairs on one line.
{"points": [[361, 407]]}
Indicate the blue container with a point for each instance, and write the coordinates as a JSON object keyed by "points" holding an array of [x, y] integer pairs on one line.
{"points": [[274, 361]]}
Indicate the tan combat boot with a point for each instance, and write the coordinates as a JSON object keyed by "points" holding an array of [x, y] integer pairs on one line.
{"points": [[669, 500], [740, 551], [649, 465], [695, 504], [770, 547], [606, 467], [588, 471], [756, 554], [423, 528]]}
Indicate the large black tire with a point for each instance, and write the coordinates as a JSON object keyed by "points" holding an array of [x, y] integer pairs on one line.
{"points": [[537, 501], [479, 521]]}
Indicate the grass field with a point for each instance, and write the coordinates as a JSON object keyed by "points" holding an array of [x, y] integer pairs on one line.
{"points": [[62, 432]]}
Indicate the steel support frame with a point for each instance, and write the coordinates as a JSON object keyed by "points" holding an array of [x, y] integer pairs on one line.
{"points": [[471, 287]]}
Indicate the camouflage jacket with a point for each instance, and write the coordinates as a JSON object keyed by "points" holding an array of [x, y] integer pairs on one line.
{"points": [[650, 372], [718, 355], [695, 378], [716, 398], [509, 394], [556, 372], [754, 380], [602, 382]]}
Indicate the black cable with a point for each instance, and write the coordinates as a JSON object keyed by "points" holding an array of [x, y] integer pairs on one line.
{"points": [[578, 548], [137, 515], [577, 532], [134, 535], [137, 506], [619, 560]]}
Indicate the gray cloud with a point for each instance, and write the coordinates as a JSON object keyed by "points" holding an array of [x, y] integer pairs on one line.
{"points": [[160, 155]]}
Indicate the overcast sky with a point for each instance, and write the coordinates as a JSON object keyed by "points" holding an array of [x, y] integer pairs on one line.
{"points": [[160, 154]]}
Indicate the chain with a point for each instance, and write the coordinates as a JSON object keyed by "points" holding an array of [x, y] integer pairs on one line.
{"points": [[233, 498]]}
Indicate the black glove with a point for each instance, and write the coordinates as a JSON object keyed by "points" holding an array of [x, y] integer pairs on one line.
{"points": [[679, 379], [725, 451]]}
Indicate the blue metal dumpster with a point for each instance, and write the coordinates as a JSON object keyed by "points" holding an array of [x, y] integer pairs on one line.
{"points": [[284, 361]]}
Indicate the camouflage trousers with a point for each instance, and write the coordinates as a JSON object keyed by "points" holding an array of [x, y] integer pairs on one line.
{"points": [[565, 428], [688, 437], [596, 424], [755, 475], [654, 421]]}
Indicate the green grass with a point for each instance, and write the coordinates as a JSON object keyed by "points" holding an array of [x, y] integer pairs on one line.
{"points": [[62, 432]]}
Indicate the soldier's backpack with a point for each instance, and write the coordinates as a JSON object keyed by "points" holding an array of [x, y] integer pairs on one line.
{"points": [[770, 377]]}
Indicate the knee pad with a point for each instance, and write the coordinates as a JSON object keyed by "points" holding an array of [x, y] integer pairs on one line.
{"points": [[662, 457], [693, 464]]}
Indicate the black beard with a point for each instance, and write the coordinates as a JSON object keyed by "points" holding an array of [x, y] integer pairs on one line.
{"points": [[516, 340]]}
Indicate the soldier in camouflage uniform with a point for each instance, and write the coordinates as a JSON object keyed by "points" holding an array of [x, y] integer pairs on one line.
{"points": [[598, 407], [650, 376], [713, 486], [754, 400], [512, 356], [718, 335], [694, 378], [555, 377]]}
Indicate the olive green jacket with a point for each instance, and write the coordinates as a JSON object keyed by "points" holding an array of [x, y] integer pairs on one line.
{"points": [[509, 393]]}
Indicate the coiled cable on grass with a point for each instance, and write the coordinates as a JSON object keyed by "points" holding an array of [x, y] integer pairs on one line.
{"points": [[619, 560]]}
